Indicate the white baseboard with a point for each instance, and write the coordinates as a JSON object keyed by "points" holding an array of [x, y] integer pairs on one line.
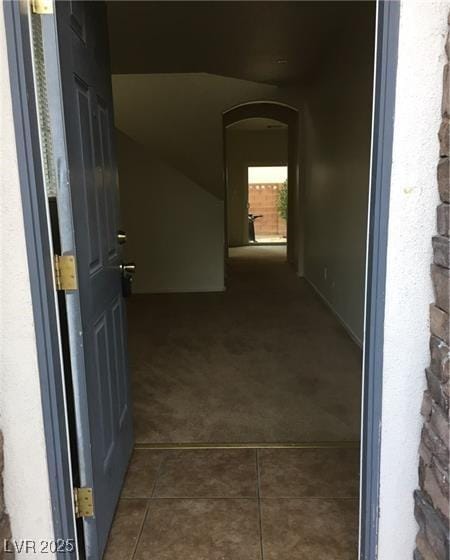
{"points": [[348, 329], [180, 290]]}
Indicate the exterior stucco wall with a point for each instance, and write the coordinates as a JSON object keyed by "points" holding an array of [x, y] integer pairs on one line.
{"points": [[432, 500], [412, 223], [25, 474]]}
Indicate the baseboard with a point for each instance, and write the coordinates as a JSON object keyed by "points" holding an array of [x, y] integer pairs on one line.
{"points": [[347, 328], [181, 290], [260, 244]]}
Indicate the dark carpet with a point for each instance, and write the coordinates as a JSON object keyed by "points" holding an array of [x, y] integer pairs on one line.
{"points": [[265, 361]]}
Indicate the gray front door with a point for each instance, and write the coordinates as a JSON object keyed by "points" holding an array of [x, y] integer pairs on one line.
{"points": [[97, 322]]}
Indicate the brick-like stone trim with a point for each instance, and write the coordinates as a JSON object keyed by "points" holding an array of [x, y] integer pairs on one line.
{"points": [[432, 504], [4, 520]]}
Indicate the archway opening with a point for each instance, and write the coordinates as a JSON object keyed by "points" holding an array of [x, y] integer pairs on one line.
{"points": [[263, 134], [256, 181]]}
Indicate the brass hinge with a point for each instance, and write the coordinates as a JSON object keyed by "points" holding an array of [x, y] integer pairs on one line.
{"points": [[65, 272], [42, 6], [84, 502]]}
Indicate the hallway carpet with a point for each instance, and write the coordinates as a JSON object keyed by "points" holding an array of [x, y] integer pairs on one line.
{"points": [[265, 361]]}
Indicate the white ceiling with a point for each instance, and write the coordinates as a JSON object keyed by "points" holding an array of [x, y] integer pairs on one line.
{"points": [[280, 43]]}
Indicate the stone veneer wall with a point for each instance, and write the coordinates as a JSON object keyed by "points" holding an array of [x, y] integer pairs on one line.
{"points": [[4, 520], [432, 499]]}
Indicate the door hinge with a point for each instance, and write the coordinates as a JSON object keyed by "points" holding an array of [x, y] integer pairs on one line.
{"points": [[65, 272], [84, 502], [42, 6]]}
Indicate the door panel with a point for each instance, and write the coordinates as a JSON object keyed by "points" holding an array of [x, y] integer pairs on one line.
{"points": [[105, 163], [96, 313]]}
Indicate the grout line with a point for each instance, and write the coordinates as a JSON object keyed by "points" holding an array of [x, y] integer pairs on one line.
{"points": [[141, 529], [148, 506], [258, 493], [158, 473], [252, 445]]}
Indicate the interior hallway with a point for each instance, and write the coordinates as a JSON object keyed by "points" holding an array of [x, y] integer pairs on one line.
{"points": [[265, 361]]}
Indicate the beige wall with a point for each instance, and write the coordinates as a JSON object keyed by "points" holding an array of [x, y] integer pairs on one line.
{"points": [[172, 179], [172, 224], [337, 128], [246, 148], [25, 470], [185, 132], [178, 118]]}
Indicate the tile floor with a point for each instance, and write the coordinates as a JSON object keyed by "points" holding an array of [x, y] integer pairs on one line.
{"points": [[238, 504]]}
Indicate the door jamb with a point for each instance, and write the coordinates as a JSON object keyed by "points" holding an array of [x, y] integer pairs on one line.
{"points": [[387, 31], [41, 269], [40, 265]]}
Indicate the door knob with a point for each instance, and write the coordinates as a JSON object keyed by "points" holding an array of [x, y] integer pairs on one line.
{"points": [[121, 237], [128, 268]]}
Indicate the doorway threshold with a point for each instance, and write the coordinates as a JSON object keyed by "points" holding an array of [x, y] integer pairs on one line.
{"points": [[253, 445]]}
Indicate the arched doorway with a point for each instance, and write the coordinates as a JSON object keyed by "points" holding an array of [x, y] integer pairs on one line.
{"points": [[289, 117]]}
